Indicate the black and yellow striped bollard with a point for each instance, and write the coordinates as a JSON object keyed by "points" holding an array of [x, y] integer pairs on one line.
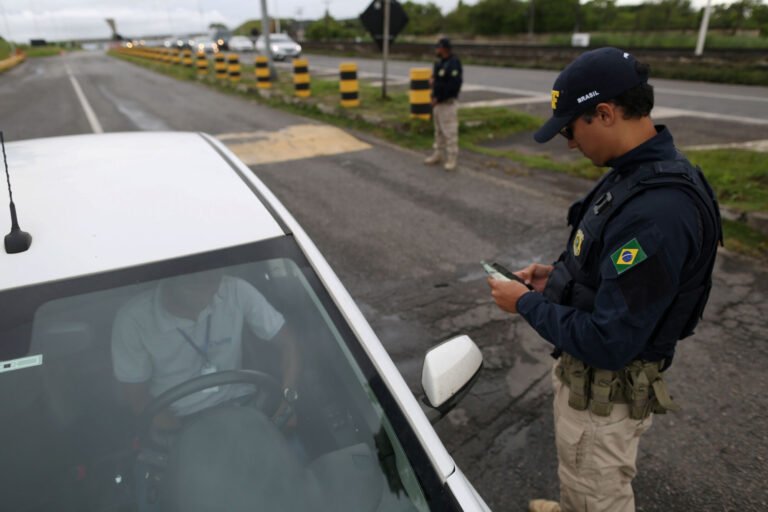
{"points": [[186, 58], [233, 67], [301, 78], [420, 94], [202, 63], [261, 69], [348, 86], [176, 56], [220, 66]]}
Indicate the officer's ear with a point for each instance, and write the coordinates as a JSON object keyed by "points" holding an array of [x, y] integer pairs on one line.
{"points": [[605, 114]]}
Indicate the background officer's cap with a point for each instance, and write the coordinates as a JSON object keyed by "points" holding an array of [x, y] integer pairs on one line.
{"points": [[594, 77], [444, 42]]}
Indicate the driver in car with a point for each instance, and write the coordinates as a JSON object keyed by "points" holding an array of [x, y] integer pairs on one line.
{"points": [[192, 325]]}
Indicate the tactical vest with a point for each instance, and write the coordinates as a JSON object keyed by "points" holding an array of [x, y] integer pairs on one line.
{"points": [[576, 278]]}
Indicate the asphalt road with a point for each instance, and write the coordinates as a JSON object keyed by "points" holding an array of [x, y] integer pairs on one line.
{"points": [[406, 241]]}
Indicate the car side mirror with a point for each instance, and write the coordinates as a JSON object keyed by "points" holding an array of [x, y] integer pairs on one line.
{"points": [[450, 369]]}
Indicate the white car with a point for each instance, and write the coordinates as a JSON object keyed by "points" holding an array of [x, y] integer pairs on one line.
{"points": [[282, 46], [240, 44], [114, 221]]}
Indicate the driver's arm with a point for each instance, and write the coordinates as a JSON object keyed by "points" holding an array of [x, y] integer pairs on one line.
{"points": [[133, 366]]}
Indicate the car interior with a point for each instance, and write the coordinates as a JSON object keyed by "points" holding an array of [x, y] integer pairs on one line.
{"points": [[71, 441]]}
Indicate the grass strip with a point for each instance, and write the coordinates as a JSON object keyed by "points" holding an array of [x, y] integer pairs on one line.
{"points": [[41, 51]]}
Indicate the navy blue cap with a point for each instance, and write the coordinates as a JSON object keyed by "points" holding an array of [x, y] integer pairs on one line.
{"points": [[594, 77], [444, 42]]}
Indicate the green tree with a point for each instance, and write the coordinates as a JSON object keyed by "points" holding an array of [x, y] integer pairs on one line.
{"points": [[457, 21], [423, 19], [327, 28], [556, 15]]}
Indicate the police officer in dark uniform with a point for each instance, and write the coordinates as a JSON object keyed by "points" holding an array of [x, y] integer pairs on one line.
{"points": [[633, 280], [446, 84]]}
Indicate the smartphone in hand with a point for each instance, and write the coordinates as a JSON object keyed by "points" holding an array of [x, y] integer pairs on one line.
{"points": [[497, 271]]}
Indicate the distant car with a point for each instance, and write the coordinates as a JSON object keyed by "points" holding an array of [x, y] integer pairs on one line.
{"points": [[181, 42], [116, 222], [240, 44], [282, 46], [207, 45], [220, 36]]}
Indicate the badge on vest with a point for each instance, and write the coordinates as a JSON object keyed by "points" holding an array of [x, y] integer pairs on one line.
{"points": [[578, 241], [630, 254]]}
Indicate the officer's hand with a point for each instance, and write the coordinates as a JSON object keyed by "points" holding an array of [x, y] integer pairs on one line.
{"points": [[506, 293], [536, 275]]}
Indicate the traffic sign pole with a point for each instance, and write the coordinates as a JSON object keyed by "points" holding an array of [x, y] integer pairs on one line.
{"points": [[385, 50]]}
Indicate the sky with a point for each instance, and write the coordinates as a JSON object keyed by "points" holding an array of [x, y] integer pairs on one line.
{"points": [[21, 20]]}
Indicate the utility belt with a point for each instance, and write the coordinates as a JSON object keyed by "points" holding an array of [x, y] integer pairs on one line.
{"points": [[639, 385]]}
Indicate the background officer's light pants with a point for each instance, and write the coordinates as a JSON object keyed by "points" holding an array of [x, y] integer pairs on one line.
{"points": [[445, 115], [596, 455]]}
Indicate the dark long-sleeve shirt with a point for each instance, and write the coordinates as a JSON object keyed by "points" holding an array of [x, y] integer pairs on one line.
{"points": [[666, 224], [447, 75]]}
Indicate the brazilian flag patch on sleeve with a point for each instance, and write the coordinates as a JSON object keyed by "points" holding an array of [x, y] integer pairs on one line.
{"points": [[630, 254]]}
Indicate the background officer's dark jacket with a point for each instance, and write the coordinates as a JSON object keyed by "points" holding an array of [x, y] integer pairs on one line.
{"points": [[447, 74], [667, 223]]}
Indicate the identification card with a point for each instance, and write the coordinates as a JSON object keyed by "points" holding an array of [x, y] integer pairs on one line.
{"points": [[207, 370]]}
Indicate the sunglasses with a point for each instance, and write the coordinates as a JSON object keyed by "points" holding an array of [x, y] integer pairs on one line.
{"points": [[567, 130]]}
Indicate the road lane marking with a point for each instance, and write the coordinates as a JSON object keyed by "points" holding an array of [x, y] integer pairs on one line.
{"points": [[506, 102], [665, 113], [293, 143], [754, 145], [89, 113], [715, 95]]}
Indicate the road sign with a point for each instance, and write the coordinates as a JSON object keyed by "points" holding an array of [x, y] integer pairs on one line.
{"points": [[373, 20]]}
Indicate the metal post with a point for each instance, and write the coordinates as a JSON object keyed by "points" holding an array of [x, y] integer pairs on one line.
{"points": [[386, 50], [265, 33], [703, 29]]}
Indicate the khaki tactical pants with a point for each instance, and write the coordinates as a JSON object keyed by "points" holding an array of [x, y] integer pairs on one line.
{"points": [[596, 455], [445, 116]]}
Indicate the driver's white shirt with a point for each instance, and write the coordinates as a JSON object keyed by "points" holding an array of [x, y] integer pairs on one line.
{"points": [[148, 344]]}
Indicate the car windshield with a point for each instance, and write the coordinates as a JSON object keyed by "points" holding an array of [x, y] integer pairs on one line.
{"points": [[222, 381], [281, 38]]}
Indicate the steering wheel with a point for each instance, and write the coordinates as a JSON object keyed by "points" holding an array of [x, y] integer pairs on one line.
{"points": [[266, 385]]}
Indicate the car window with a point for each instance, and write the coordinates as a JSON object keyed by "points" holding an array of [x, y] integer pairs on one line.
{"points": [[76, 440]]}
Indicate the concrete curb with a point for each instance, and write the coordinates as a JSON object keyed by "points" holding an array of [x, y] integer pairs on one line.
{"points": [[12, 61]]}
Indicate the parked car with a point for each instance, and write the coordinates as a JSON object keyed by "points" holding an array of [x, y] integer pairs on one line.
{"points": [[118, 221], [282, 46], [240, 44]]}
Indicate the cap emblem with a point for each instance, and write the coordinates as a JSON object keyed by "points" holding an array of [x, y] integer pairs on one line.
{"points": [[555, 95]]}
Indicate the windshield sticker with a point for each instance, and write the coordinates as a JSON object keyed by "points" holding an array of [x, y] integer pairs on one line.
{"points": [[21, 363]]}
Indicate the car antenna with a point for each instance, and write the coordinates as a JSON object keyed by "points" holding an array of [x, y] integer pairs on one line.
{"points": [[17, 240]]}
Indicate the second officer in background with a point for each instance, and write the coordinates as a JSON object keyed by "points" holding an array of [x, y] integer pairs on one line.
{"points": [[446, 84]]}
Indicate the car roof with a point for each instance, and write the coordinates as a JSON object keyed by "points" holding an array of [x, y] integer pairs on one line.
{"points": [[94, 203]]}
